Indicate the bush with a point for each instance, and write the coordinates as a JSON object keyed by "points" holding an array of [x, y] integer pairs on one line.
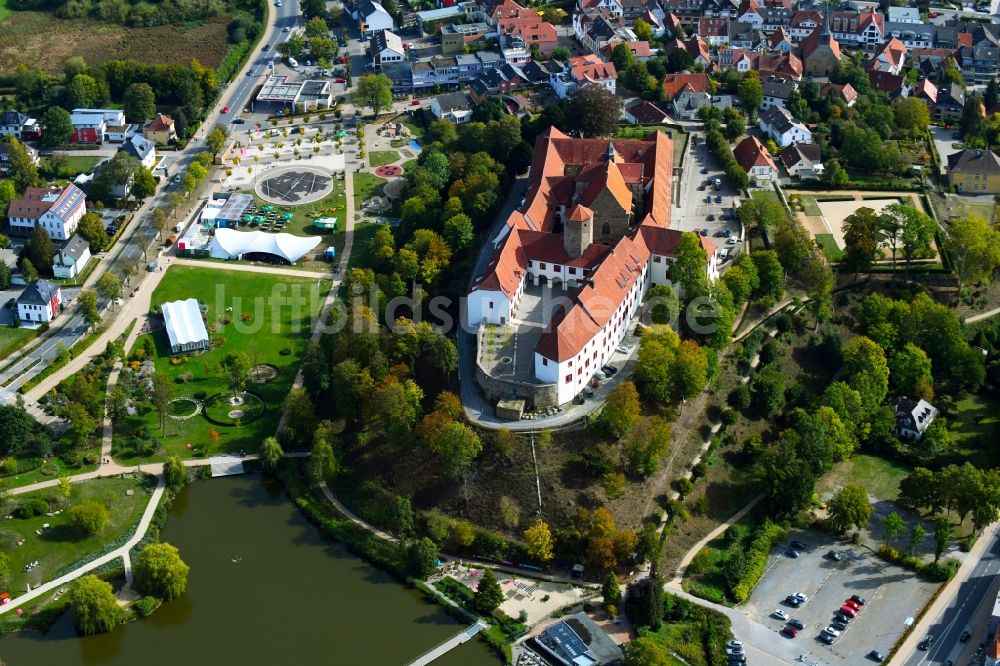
{"points": [[739, 397], [30, 508], [767, 535], [146, 606]]}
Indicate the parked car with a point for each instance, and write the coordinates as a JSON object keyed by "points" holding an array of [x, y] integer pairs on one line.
{"points": [[789, 631], [798, 624], [710, 218], [600, 376], [734, 645], [780, 614], [833, 632], [826, 638], [225, 109], [266, 47], [704, 232], [718, 198], [735, 659], [609, 370], [842, 617], [239, 121], [626, 349], [791, 553], [732, 240], [964, 638], [793, 601], [858, 600], [251, 71], [708, 199], [875, 655], [926, 643], [847, 610], [840, 626], [704, 170], [798, 544], [835, 556], [286, 29]]}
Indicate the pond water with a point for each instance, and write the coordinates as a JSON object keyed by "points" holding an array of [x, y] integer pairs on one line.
{"points": [[293, 598]]}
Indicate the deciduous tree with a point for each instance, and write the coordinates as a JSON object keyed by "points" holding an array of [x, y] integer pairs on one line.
{"points": [[621, 410], [457, 445], [850, 506], [374, 90], [593, 110], [94, 605], [862, 237], [892, 526], [88, 519], [539, 539], [974, 247], [160, 571], [174, 471], [139, 102], [21, 168], [58, 127], [271, 454]]}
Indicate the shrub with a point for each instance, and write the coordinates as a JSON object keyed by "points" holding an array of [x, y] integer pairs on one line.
{"points": [[739, 397], [90, 458], [30, 508], [9, 467], [184, 377], [147, 605], [767, 535], [218, 341]]}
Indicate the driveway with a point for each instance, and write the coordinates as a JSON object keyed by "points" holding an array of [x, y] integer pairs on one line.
{"points": [[943, 140], [893, 596]]}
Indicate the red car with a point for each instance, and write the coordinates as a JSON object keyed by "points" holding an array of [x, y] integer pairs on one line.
{"points": [[415, 102], [853, 604], [933, 15], [790, 632], [340, 80], [225, 109], [849, 611]]}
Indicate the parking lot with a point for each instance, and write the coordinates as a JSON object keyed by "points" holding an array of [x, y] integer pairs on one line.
{"points": [[697, 185], [892, 595]]}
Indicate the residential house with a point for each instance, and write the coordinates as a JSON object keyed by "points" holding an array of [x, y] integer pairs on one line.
{"points": [[600, 33], [912, 416], [980, 61], [821, 51], [862, 28], [776, 92], [781, 65], [57, 210], [802, 160], [91, 125], [538, 73], [893, 85], [698, 48], [455, 107], [909, 15], [19, 126], [974, 171], [372, 17], [386, 47], [71, 258], [688, 12], [889, 58], [142, 149], [721, 8], [738, 59], [844, 92], [751, 13], [645, 112], [612, 8], [785, 129], [635, 9], [527, 24], [804, 23], [673, 84], [5, 156], [688, 101], [499, 81], [753, 158], [928, 92], [912, 35], [581, 71], [456, 36], [640, 50], [744, 36], [657, 24], [949, 103], [39, 303], [781, 41], [776, 17], [715, 31], [160, 130]]}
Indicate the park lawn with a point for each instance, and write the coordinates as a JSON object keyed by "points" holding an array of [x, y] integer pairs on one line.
{"points": [[366, 186], [767, 195], [58, 549], [77, 164], [12, 339], [810, 207], [283, 308], [58, 467], [4, 10], [974, 428], [830, 248], [381, 157], [879, 476], [360, 254]]}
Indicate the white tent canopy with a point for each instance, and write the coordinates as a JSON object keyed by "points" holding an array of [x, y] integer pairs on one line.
{"points": [[232, 244], [185, 327]]}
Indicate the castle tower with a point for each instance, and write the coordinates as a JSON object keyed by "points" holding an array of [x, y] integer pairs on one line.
{"points": [[578, 231]]}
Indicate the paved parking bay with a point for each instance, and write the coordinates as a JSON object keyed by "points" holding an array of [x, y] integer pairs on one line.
{"points": [[696, 187], [893, 595]]}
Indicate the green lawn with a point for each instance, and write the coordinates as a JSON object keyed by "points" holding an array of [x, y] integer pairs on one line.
{"points": [[365, 186], [830, 248], [4, 11], [360, 255], [58, 548], [57, 466], [280, 316], [810, 207], [12, 339], [974, 430], [880, 476], [380, 157]]}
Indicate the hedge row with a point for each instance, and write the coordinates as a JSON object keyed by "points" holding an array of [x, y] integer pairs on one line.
{"points": [[724, 153], [767, 535], [939, 572]]}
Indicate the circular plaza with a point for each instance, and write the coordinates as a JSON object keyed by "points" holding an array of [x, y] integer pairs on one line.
{"points": [[294, 185]]}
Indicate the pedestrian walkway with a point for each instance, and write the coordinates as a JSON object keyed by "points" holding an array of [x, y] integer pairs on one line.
{"points": [[450, 644], [121, 551], [695, 549]]}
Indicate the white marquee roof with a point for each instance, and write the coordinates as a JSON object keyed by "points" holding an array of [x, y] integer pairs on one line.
{"points": [[229, 243], [183, 321]]}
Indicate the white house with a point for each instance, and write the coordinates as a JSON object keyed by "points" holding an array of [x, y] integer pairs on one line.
{"points": [[912, 416], [753, 158], [802, 161], [90, 125], [71, 258], [19, 126], [581, 71], [185, 327], [57, 210], [784, 128], [386, 47], [142, 149], [776, 92], [40, 302], [905, 15], [372, 17], [455, 107]]}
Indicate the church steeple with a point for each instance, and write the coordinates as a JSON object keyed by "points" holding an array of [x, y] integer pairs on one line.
{"points": [[825, 30], [611, 155]]}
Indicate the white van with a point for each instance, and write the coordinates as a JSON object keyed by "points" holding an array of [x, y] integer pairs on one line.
{"points": [[293, 63]]}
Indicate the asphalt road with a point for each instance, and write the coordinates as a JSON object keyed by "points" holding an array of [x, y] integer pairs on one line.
{"points": [[948, 627]]}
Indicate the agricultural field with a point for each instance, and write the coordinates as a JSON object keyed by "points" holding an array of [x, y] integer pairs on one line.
{"points": [[41, 40], [267, 317]]}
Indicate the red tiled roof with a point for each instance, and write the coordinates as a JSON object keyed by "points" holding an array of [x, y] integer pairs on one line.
{"points": [[783, 64], [965, 39], [592, 69], [812, 42], [926, 90], [547, 246], [674, 83], [696, 46], [647, 113], [713, 27], [160, 123], [750, 153], [580, 213], [846, 91]]}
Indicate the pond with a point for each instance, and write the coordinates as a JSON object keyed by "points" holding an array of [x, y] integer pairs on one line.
{"points": [[293, 597]]}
